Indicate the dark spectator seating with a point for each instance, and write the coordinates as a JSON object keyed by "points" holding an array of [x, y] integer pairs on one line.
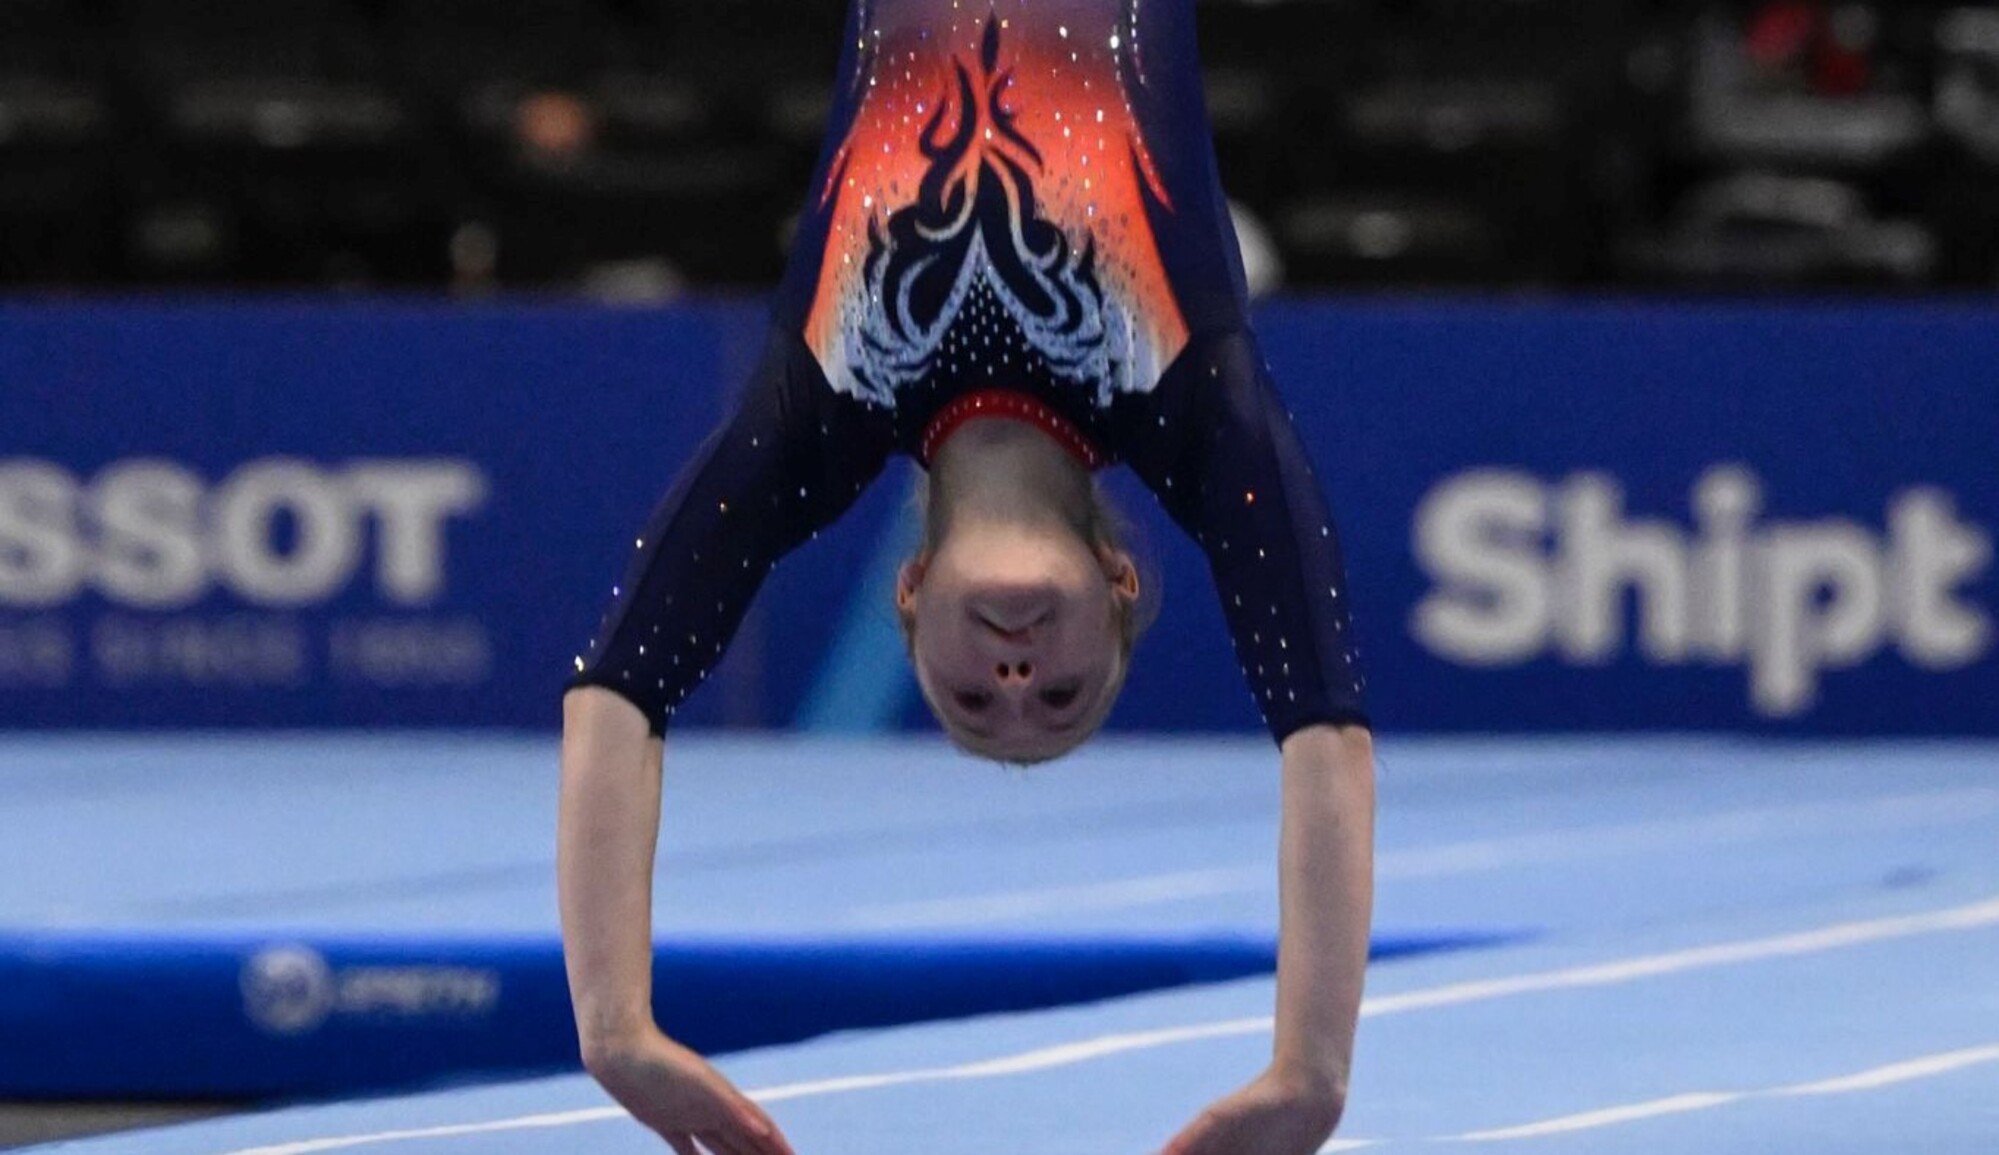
{"points": [[271, 144], [637, 147], [57, 195]]}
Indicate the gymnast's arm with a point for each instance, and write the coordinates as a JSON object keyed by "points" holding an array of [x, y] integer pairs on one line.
{"points": [[608, 827], [1231, 470], [789, 460], [1326, 903]]}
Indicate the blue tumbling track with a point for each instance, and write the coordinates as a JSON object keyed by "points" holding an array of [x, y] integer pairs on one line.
{"points": [[314, 918], [1745, 949]]}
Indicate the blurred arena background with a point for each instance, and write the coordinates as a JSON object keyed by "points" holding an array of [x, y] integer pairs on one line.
{"points": [[647, 148], [1647, 347]]}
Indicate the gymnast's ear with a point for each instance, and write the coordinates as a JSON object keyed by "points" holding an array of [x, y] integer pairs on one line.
{"points": [[1122, 572], [907, 580]]}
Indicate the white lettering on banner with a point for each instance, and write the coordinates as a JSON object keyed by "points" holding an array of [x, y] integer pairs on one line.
{"points": [[238, 650], [426, 652], [412, 501], [292, 990], [149, 521], [1523, 568], [326, 533], [36, 654], [41, 559], [277, 532], [411, 992]]}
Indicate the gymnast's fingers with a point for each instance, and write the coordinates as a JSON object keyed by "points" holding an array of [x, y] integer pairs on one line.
{"points": [[725, 1143], [766, 1139]]}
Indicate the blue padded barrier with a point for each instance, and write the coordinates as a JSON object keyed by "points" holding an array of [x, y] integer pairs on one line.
{"points": [[237, 1018]]}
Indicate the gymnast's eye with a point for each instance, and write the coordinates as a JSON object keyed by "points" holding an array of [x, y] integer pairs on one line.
{"points": [[974, 701], [1059, 697]]}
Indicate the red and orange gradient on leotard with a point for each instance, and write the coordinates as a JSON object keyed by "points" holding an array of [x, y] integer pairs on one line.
{"points": [[981, 132]]}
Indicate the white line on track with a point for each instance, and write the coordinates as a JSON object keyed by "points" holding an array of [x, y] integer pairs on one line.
{"points": [[1749, 826], [1829, 938], [523, 1123], [1817, 941], [1018, 905], [1888, 1076], [1609, 1116], [1754, 826], [1927, 1067]]}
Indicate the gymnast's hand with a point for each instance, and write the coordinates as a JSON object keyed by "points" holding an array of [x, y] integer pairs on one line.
{"points": [[678, 1094], [1278, 1114]]}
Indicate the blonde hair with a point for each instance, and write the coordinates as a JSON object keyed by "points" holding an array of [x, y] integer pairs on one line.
{"points": [[1104, 529]]}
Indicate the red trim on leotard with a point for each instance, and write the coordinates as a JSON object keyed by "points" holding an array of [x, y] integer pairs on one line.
{"points": [[1013, 406]]}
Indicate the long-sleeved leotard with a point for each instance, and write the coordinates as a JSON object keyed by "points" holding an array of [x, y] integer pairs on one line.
{"points": [[1014, 194]]}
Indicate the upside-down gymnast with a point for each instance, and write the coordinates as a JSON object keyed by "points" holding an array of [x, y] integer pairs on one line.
{"points": [[1016, 266]]}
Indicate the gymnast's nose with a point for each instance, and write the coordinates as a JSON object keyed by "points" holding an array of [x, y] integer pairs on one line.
{"points": [[1013, 675]]}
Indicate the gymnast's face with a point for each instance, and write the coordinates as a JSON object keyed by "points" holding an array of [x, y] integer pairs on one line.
{"points": [[1015, 637]]}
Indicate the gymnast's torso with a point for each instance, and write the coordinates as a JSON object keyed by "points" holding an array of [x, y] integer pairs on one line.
{"points": [[1014, 191], [1015, 195]]}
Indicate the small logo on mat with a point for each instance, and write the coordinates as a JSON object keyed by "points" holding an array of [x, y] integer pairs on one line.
{"points": [[288, 990]]}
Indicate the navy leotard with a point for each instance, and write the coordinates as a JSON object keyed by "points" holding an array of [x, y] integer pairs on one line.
{"points": [[1015, 194]]}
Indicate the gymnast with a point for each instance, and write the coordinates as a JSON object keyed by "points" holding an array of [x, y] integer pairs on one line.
{"points": [[1015, 266]]}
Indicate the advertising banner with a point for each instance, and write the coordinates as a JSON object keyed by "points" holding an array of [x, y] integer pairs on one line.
{"points": [[1558, 517]]}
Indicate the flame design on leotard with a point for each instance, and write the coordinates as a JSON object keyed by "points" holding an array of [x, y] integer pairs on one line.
{"points": [[994, 203]]}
